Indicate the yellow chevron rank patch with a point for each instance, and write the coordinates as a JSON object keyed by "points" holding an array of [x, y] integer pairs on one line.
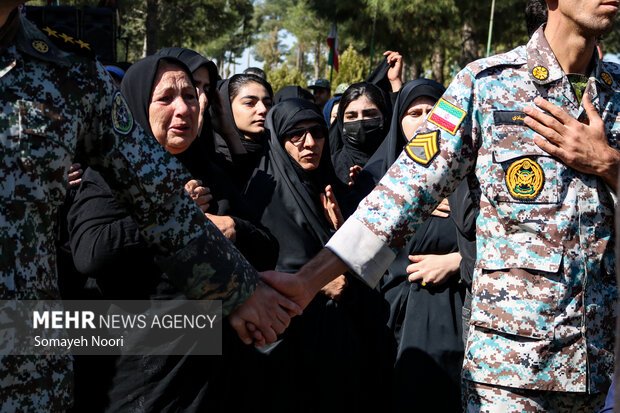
{"points": [[423, 147]]}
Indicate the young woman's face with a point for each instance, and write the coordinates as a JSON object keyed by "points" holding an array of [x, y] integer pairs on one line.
{"points": [[305, 144], [250, 108], [360, 109], [415, 115], [334, 114], [173, 110]]}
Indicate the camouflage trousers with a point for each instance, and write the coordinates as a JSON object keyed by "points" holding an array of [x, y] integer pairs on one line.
{"points": [[485, 398]]}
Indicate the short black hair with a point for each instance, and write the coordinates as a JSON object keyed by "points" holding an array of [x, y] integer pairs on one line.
{"points": [[237, 81], [535, 15], [363, 88], [256, 72]]}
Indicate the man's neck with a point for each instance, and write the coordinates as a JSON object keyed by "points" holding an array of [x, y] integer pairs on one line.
{"points": [[572, 50]]}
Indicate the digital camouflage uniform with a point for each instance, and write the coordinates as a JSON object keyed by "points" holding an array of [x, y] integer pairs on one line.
{"points": [[55, 106], [544, 288]]}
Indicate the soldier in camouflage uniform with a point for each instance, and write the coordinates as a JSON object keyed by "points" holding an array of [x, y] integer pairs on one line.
{"points": [[544, 288], [55, 106]]}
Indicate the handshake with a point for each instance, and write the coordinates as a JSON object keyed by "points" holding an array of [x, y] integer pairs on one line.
{"points": [[280, 296]]}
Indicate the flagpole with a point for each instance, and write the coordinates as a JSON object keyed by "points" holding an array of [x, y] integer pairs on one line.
{"points": [[331, 74], [490, 28], [372, 38]]}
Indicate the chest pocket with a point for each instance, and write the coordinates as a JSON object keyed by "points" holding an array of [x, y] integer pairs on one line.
{"points": [[521, 171], [43, 153]]}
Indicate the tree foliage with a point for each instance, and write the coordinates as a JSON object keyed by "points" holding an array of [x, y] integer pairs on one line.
{"points": [[353, 68], [285, 76]]}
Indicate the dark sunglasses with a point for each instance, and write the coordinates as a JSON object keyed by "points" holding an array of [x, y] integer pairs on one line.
{"points": [[296, 136]]}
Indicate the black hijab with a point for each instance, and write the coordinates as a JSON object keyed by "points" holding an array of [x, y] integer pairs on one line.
{"points": [[393, 144], [204, 146], [239, 167], [344, 154], [285, 195], [137, 86], [194, 61], [292, 92]]}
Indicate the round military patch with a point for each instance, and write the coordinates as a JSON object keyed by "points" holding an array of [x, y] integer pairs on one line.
{"points": [[40, 46], [525, 179], [540, 72], [122, 119], [606, 78]]}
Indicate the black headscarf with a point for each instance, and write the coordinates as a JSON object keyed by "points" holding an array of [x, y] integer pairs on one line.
{"points": [[292, 92], [137, 86], [393, 144], [396, 140], [204, 145], [285, 195], [344, 154], [194, 61], [239, 167]]}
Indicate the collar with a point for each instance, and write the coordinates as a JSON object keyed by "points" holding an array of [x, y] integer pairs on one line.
{"points": [[544, 68]]}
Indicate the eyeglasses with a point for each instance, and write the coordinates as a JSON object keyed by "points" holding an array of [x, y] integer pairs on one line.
{"points": [[298, 136]]}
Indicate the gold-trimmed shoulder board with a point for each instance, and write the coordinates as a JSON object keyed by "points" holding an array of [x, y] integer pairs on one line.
{"points": [[423, 147], [540, 73], [525, 179], [122, 119]]}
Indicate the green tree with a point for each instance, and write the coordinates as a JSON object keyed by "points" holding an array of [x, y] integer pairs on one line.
{"points": [[353, 68], [286, 76]]}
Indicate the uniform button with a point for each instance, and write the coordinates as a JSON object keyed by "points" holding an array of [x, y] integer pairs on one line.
{"points": [[28, 164]]}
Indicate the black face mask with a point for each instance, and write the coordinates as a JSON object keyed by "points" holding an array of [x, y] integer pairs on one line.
{"points": [[365, 135]]}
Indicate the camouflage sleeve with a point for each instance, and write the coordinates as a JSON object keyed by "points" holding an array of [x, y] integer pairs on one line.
{"points": [[431, 166], [149, 182]]}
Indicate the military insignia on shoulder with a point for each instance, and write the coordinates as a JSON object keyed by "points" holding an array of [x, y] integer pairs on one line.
{"points": [[423, 147], [525, 179], [40, 46], [68, 43], [540, 73], [447, 116], [607, 78], [122, 119]]}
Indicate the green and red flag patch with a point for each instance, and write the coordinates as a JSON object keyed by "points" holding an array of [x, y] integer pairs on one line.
{"points": [[423, 147], [447, 116]]}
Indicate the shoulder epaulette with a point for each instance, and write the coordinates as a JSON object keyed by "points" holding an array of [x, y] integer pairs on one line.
{"points": [[515, 57], [68, 43]]}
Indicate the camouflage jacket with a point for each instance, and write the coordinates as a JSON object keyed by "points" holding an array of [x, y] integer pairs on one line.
{"points": [[544, 286], [54, 107]]}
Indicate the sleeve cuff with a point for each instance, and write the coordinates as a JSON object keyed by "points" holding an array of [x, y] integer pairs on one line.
{"points": [[365, 253]]}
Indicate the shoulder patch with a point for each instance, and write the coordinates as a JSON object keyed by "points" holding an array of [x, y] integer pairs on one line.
{"points": [[447, 116], [525, 179], [122, 119], [423, 147]]}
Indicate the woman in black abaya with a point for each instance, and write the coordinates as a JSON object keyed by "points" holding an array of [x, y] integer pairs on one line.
{"points": [[107, 245], [361, 125], [425, 315], [239, 122], [328, 357]]}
